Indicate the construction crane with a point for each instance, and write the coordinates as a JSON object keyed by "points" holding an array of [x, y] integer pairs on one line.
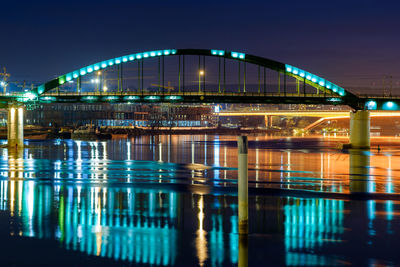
{"points": [[168, 87], [5, 77]]}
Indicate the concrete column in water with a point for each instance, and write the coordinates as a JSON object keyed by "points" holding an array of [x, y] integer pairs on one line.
{"points": [[243, 184], [359, 129], [15, 127]]}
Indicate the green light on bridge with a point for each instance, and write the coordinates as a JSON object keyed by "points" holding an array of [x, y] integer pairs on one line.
{"points": [[107, 63]]}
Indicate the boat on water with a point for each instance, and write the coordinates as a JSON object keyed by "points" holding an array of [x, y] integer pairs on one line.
{"points": [[41, 136], [89, 133]]}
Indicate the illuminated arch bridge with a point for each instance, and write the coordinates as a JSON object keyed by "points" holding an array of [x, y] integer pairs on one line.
{"points": [[228, 77]]}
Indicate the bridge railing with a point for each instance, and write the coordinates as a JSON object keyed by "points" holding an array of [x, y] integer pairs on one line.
{"points": [[127, 93], [379, 96]]}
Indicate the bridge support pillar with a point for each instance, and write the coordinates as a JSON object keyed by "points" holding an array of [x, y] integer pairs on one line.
{"points": [[359, 129], [243, 197], [15, 127]]}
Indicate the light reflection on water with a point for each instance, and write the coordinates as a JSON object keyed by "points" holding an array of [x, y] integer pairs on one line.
{"points": [[94, 197]]}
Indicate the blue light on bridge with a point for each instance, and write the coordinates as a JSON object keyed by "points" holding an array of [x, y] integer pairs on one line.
{"points": [[118, 61], [82, 72], [152, 98], [110, 98], [124, 59], [29, 96], [131, 97], [48, 98], [90, 69], [89, 98], [218, 52], [173, 97], [371, 105], [110, 62], [75, 74], [334, 99], [390, 105], [40, 89], [318, 81], [238, 55], [328, 85]]}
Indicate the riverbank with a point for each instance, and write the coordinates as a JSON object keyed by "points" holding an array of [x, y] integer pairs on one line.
{"points": [[44, 133]]}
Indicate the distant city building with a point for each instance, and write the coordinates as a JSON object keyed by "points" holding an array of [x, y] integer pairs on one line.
{"points": [[104, 114]]}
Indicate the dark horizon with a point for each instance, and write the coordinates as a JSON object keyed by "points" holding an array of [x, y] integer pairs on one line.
{"points": [[352, 44]]}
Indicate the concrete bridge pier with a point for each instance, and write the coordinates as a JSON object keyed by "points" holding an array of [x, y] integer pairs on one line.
{"points": [[360, 129], [15, 127]]}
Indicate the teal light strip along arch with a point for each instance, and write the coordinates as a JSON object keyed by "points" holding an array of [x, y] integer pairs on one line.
{"points": [[304, 75], [311, 79]]}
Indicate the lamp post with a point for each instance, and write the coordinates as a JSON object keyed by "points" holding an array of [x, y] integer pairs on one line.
{"points": [[201, 73], [99, 79]]}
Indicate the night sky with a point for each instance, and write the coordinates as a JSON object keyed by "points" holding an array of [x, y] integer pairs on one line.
{"points": [[352, 43]]}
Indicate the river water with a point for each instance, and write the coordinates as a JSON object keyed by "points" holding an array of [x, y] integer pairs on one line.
{"points": [[172, 201]]}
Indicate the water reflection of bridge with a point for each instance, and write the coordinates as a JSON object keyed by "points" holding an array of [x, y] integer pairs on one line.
{"points": [[145, 225]]}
